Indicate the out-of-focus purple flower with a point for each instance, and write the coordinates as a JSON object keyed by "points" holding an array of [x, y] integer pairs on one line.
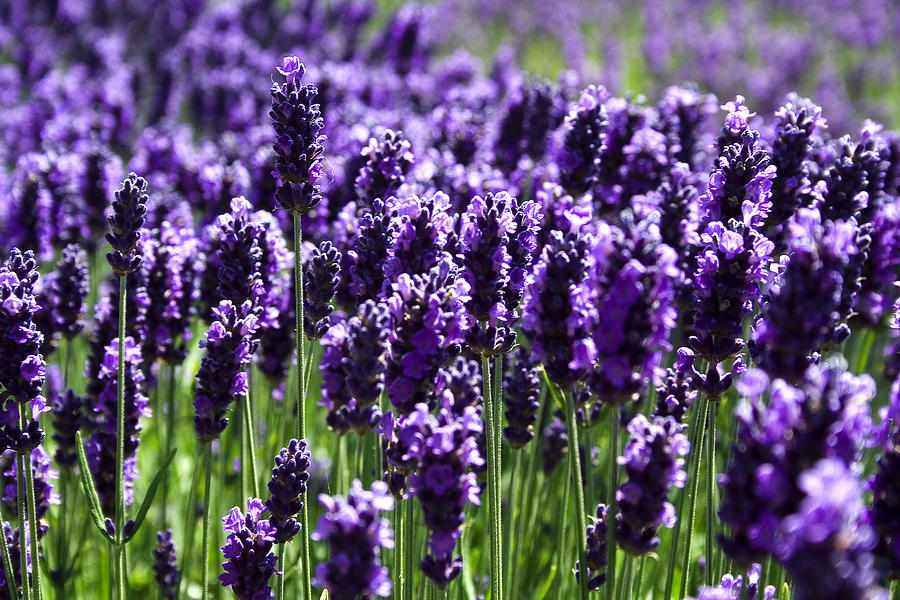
{"points": [[354, 359], [734, 588], [633, 282], [230, 343], [299, 142], [802, 308], [62, 298], [653, 460], [532, 112], [165, 565], [364, 273], [407, 41], [249, 560], [884, 514], [583, 142], [429, 323], [388, 160], [286, 489], [355, 533], [31, 222], [43, 476], [850, 181], [444, 483], [129, 210], [677, 392], [597, 556], [15, 555], [67, 409], [96, 184], [521, 393], [101, 446], [882, 266], [557, 310], [321, 278], [682, 112], [554, 444], [403, 437], [825, 416]]}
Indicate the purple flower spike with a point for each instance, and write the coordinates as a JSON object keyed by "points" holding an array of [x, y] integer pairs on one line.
{"points": [[355, 533], [418, 232], [734, 588], [129, 210], [322, 274], [583, 141], [388, 161], [653, 461], [68, 417], [165, 565], [554, 444], [249, 560], [62, 298], [299, 143], [682, 112], [364, 277], [885, 488], [521, 392], [286, 488], [596, 550], [677, 392], [230, 343]]}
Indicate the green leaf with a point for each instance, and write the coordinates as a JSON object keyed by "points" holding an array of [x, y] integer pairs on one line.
{"points": [[554, 390], [161, 474], [547, 584], [90, 490], [324, 595]]}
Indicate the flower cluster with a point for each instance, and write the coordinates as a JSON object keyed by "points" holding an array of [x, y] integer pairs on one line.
{"points": [[125, 223], [62, 298], [388, 161], [521, 392], [165, 565], [286, 488], [596, 556], [321, 277], [249, 560]]}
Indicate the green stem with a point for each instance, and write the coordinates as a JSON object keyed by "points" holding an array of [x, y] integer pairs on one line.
{"points": [[33, 526], [863, 350], [711, 490], [190, 520], [561, 545], [23, 527], [170, 438], [611, 502], [515, 492], [279, 583], [399, 576], [120, 436], [251, 444], [7, 565], [640, 577], [693, 482], [575, 474], [204, 593], [494, 508], [306, 576]]}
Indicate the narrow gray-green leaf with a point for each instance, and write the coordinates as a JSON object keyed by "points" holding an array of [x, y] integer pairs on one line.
{"points": [[90, 490], [161, 474]]}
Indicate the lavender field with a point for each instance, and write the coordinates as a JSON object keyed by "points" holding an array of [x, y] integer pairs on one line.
{"points": [[463, 300]]}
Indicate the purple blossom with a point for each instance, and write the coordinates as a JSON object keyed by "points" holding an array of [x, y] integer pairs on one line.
{"points": [[533, 110], [322, 274], [737, 588], [356, 533], [249, 561], [388, 160], [364, 273], [583, 142], [554, 444], [682, 113], [882, 266], [677, 393], [165, 565], [287, 488], [418, 231], [521, 393], [597, 556], [68, 410], [129, 210], [62, 298]]}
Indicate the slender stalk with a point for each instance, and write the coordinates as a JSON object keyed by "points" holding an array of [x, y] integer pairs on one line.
{"points": [[863, 350], [497, 405], [33, 527], [190, 520], [120, 436], [611, 502], [23, 528], [204, 594], [711, 410], [640, 577], [561, 544], [493, 475], [306, 576], [279, 582], [515, 492], [7, 564], [676, 532], [624, 588], [693, 482], [170, 438], [399, 575], [575, 474], [251, 444]]}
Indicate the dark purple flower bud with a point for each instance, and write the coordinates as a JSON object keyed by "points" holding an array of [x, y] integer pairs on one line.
{"points": [[276, 341], [101, 446], [418, 232], [533, 111], [355, 533], [388, 160], [682, 113], [884, 514], [354, 359], [795, 123], [429, 322], [583, 142], [62, 297], [364, 274], [653, 461], [554, 444], [740, 185], [299, 142], [802, 307], [125, 222], [249, 561], [627, 165], [676, 202], [322, 274], [853, 181], [68, 417], [633, 281], [677, 391], [165, 565], [230, 344], [596, 556], [43, 476], [557, 310], [286, 489], [521, 392], [444, 482]]}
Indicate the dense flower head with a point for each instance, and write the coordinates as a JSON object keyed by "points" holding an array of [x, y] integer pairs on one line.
{"points": [[249, 561], [68, 410], [287, 488], [739, 588], [826, 544], [165, 565], [62, 297], [363, 267], [101, 446], [230, 343], [429, 324], [354, 358], [731, 265], [31, 220], [796, 122], [583, 142], [737, 121], [633, 281], [682, 113], [801, 311], [521, 393], [850, 179], [22, 372], [677, 392], [444, 483], [740, 185], [322, 274], [554, 444], [418, 231], [355, 532], [43, 476], [96, 184], [129, 209], [299, 142], [826, 416], [882, 266], [596, 555], [389, 159], [557, 309], [653, 460], [533, 110]]}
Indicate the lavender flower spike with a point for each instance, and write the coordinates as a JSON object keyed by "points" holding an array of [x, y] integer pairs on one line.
{"points": [[320, 282], [287, 487], [596, 550], [249, 561], [355, 533], [62, 297], [165, 565], [125, 223]]}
